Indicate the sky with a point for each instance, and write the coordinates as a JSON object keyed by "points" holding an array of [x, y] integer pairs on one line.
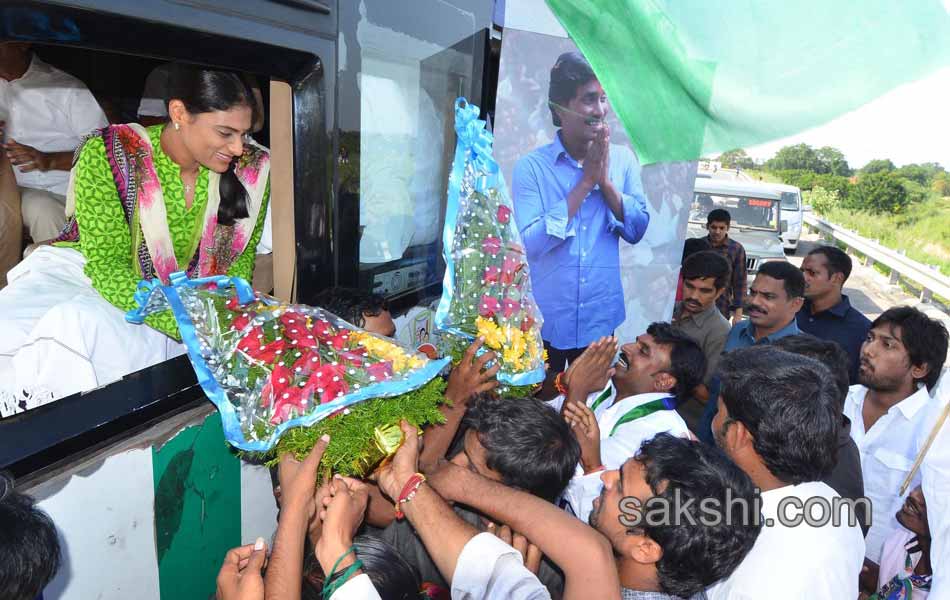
{"points": [[911, 124]]}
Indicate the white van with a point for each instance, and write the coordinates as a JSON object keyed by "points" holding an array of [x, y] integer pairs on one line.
{"points": [[791, 215]]}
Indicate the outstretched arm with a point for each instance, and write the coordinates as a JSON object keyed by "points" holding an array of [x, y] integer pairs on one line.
{"points": [[587, 561]]}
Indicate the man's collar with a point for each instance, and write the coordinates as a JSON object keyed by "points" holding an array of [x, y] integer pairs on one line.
{"points": [[638, 399], [555, 149], [725, 241], [839, 310], [790, 329], [700, 318], [910, 405]]}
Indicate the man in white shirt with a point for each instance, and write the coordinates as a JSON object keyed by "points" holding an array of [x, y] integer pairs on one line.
{"points": [[778, 420], [46, 112], [652, 376], [900, 362]]}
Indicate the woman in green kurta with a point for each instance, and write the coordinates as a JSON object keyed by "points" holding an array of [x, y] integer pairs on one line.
{"points": [[190, 195]]}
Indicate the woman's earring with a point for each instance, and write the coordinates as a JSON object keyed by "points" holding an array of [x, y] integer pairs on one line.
{"points": [[177, 127]]}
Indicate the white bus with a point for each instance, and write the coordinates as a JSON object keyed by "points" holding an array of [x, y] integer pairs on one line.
{"points": [[791, 215]]}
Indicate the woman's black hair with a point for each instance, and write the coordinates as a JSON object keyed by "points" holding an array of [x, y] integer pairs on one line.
{"points": [[392, 576], [207, 90]]}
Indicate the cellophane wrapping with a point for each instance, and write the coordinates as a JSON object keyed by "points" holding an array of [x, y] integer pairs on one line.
{"points": [[487, 289], [283, 374]]}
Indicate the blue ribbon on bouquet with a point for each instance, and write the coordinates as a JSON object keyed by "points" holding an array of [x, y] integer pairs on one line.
{"points": [[474, 145]]}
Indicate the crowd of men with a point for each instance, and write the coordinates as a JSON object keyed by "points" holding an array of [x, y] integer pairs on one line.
{"points": [[604, 491]]}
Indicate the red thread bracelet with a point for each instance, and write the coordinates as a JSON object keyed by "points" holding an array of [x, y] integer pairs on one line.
{"points": [[409, 492], [559, 385]]}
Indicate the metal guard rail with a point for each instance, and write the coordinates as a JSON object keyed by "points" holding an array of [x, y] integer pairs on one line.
{"points": [[929, 280]]}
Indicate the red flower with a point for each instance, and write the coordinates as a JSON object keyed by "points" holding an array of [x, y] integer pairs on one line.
{"points": [[381, 371], [281, 378], [488, 306], [253, 345], [233, 304], [504, 214], [307, 362], [328, 382], [339, 341], [289, 400], [510, 307], [491, 245], [301, 337], [291, 319], [241, 321], [527, 323], [323, 330], [510, 267], [354, 357], [491, 274]]}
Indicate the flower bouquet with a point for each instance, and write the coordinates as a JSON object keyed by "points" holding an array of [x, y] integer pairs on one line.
{"points": [[283, 375], [487, 290]]}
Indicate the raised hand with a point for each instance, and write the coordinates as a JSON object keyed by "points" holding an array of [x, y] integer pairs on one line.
{"points": [[392, 477], [240, 574], [299, 479], [593, 369], [584, 425], [470, 377]]}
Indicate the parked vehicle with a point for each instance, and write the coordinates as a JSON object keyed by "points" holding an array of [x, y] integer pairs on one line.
{"points": [[791, 215], [755, 212]]}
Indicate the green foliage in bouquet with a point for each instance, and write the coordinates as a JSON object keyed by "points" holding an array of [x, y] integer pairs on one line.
{"points": [[352, 432]]}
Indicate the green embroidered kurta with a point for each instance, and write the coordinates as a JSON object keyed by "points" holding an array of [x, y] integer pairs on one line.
{"points": [[105, 239]]}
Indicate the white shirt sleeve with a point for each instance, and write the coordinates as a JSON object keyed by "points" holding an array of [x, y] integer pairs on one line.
{"points": [[85, 114], [489, 568], [357, 588], [581, 492]]}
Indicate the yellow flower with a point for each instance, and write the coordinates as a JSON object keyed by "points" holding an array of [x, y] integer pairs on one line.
{"points": [[486, 328]]}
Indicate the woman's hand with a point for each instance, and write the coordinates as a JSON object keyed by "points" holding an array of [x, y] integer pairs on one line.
{"points": [[240, 574]]}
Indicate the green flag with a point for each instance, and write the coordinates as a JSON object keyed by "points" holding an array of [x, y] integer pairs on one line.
{"points": [[690, 78]]}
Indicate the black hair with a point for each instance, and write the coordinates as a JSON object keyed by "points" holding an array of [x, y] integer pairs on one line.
{"points": [[697, 550], [828, 353], [788, 402], [719, 215], [924, 338], [351, 305], [708, 264], [687, 361], [790, 275], [29, 545], [694, 245], [570, 72], [207, 90], [838, 260], [392, 575], [526, 442]]}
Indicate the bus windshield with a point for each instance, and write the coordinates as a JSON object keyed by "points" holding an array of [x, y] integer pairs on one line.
{"points": [[790, 200], [758, 213]]}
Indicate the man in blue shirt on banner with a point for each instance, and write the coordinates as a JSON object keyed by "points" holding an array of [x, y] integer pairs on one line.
{"points": [[574, 199]]}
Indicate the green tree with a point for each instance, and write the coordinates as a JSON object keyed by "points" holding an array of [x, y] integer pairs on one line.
{"points": [[799, 156], [736, 159], [922, 173], [941, 184], [821, 200], [880, 193], [833, 162], [878, 166]]}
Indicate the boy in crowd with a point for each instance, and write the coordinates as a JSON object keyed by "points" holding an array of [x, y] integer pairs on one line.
{"points": [[900, 363], [29, 545], [717, 224]]}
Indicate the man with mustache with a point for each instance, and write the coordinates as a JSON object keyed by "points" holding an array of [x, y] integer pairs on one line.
{"points": [[900, 364], [774, 299], [613, 409], [705, 278]]}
